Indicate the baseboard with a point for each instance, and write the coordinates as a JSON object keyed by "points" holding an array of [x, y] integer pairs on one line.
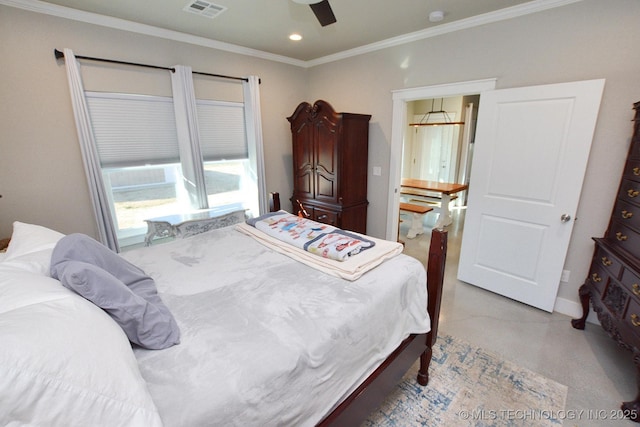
{"points": [[573, 309]]}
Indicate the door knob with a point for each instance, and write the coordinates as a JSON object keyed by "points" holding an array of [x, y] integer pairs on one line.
{"points": [[565, 218]]}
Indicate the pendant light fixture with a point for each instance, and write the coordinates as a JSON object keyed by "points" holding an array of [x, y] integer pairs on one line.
{"points": [[424, 121]]}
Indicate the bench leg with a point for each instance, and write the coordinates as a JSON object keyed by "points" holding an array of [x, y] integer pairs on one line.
{"points": [[416, 226]]}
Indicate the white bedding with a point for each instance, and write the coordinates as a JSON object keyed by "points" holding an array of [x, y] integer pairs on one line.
{"points": [[63, 360], [267, 340]]}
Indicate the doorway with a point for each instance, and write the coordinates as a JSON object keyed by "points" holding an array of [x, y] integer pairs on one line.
{"points": [[402, 100], [438, 144], [548, 129]]}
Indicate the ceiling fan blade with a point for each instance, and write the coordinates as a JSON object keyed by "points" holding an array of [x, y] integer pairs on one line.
{"points": [[323, 12]]}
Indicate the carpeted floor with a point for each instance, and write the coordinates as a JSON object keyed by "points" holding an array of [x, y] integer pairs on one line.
{"points": [[470, 386]]}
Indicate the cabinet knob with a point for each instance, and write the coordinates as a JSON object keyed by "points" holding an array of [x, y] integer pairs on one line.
{"points": [[626, 214], [606, 261], [635, 321], [632, 193], [635, 288], [596, 278], [621, 237], [636, 171]]}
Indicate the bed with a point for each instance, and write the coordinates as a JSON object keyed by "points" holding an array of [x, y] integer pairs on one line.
{"points": [[264, 339]]}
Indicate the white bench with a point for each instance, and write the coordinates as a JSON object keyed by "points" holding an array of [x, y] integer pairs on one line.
{"points": [[417, 214]]}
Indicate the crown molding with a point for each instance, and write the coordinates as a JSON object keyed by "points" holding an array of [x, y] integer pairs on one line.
{"points": [[135, 27], [462, 24], [149, 30]]}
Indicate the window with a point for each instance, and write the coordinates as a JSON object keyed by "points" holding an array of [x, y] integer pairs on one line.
{"points": [[225, 151], [192, 173], [139, 153]]}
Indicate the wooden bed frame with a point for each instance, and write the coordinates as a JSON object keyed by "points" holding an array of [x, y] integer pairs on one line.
{"points": [[372, 392]]}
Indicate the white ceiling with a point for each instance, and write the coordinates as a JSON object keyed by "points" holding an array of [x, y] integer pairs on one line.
{"points": [[264, 25]]}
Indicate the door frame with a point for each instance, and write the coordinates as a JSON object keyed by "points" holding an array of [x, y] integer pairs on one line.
{"points": [[399, 127]]}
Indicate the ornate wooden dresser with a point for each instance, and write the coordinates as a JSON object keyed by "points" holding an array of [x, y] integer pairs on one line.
{"points": [[613, 284], [330, 152]]}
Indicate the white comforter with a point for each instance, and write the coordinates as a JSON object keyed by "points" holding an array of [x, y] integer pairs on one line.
{"points": [[267, 340]]}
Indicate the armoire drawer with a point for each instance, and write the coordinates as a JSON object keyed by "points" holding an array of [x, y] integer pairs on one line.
{"points": [[627, 213], [610, 263], [632, 282], [325, 216], [632, 318], [625, 238], [599, 276], [632, 170], [629, 191]]}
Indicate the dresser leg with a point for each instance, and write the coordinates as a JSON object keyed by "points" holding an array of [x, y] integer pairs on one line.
{"points": [[584, 294], [631, 409]]}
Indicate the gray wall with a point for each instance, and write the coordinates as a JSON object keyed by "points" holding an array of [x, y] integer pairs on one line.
{"points": [[585, 40], [42, 179], [41, 175]]}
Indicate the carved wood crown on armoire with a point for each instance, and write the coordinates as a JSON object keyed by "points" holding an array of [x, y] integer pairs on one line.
{"points": [[613, 283], [330, 152]]}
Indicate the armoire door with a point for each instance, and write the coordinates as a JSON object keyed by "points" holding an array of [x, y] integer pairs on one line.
{"points": [[326, 160], [303, 160]]}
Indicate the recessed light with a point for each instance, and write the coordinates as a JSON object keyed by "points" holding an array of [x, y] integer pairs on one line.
{"points": [[295, 37], [436, 16]]}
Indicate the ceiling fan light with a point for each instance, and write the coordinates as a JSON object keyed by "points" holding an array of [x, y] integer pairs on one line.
{"points": [[295, 37], [435, 16]]}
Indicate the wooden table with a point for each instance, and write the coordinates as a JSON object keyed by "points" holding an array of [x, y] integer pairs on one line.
{"points": [[444, 190]]}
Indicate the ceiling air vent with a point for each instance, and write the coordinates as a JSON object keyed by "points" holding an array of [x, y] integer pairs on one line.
{"points": [[204, 8]]}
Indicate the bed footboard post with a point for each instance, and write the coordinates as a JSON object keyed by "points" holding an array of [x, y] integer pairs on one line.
{"points": [[435, 281], [274, 201], [425, 361]]}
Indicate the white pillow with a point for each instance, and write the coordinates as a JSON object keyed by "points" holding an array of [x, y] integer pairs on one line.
{"points": [[19, 288], [64, 361], [31, 247]]}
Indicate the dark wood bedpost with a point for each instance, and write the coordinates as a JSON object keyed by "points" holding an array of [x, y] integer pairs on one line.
{"points": [[274, 202], [435, 281]]}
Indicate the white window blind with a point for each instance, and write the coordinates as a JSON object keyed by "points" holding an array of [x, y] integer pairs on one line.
{"points": [[222, 130], [133, 130]]}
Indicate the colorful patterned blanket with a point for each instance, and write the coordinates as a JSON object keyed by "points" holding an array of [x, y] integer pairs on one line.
{"points": [[314, 237]]}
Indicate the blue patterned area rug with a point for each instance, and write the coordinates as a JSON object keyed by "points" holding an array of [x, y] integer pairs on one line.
{"points": [[469, 386]]}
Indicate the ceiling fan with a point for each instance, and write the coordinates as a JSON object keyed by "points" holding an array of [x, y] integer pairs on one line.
{"points": [[322, 10]]}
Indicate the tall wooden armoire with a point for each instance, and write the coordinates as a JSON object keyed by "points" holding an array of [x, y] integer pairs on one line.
{"points": [[330, 152], [613, 283]]}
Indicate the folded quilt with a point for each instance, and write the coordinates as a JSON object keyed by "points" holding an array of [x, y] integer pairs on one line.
{"points": [[350, 269], [320, 239]]}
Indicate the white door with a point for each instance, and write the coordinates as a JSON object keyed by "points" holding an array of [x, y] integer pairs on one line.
{"points": [[530, 155]]}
